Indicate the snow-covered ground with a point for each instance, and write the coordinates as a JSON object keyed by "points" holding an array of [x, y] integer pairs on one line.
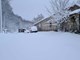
{"points": [[40, 46]]}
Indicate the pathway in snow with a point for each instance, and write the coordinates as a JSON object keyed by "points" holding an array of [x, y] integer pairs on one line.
{"points": [[40, 46]]}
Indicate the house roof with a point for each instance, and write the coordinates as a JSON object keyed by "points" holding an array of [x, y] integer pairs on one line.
{"points": [[75, 11], [72, 5], [27, 21], [45, 19]]}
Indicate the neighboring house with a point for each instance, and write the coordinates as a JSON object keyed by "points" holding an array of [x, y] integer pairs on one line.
{"points": [[74, 18], [74, 7], [73, 21], [46, 24]]}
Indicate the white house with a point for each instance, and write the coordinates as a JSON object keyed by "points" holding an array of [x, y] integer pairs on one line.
{"points": [[46, 24]]}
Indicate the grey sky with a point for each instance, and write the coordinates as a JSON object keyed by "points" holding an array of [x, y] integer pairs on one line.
{"points": [[29, 9]]}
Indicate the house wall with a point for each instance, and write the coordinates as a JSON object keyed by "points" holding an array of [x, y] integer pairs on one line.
{"points": [[44, 26], [72, 24], [75, 22]]}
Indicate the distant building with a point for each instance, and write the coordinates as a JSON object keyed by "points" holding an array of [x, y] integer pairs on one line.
{"points": [[46, 24]]}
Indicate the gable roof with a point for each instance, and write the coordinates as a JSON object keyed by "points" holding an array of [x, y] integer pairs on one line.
{"points": [[45, 19], [69, 6], [75, 11]]}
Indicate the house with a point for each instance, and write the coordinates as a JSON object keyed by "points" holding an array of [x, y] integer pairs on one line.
{"points": [[75, 20], [72, 24], [46, 24], [74, 7]]}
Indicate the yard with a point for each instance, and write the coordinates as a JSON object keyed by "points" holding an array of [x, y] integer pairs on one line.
{"points": [[40, 46]]}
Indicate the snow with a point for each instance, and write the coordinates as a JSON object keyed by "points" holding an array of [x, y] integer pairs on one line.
{"points": [[75, 11], [40, 46]]}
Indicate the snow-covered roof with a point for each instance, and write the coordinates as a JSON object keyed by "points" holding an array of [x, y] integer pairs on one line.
{"points": [[72, 4], [78, 4], [75, 11], [48, 18]]}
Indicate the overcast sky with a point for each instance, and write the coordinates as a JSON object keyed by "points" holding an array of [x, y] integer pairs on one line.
{"points": [[29, 9]]}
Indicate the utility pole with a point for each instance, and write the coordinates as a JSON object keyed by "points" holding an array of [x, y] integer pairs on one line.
{"points": [[0, 16], [79, 22]]}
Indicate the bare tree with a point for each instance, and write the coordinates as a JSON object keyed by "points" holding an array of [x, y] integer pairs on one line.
{"points": [[58, 8], [38, 18]]}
